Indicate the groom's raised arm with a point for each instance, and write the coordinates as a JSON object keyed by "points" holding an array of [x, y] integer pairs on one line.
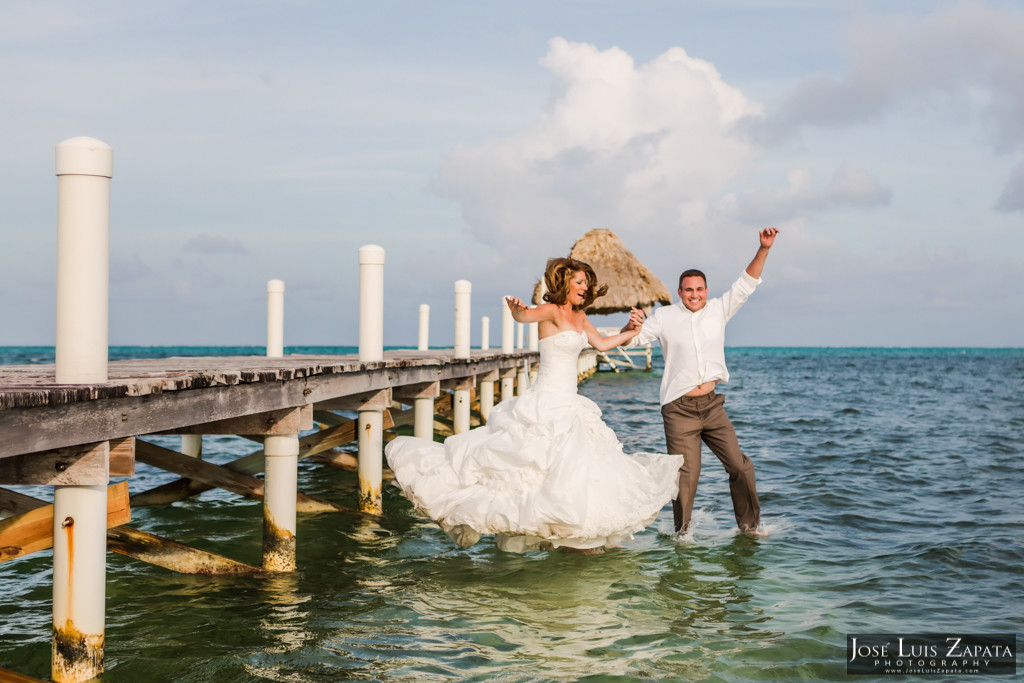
{"points": [[767, 239]]}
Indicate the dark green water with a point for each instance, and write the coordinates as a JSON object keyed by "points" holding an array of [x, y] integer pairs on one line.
{"points": [[890, 480]]}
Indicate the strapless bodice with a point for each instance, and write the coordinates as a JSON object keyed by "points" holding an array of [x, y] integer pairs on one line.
{"points": [[559, 366]]}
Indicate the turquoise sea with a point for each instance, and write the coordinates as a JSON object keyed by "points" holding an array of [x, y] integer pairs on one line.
{"points": [[890, 481]]}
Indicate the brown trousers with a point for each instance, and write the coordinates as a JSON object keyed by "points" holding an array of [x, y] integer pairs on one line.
{"points": [[690, 420]]}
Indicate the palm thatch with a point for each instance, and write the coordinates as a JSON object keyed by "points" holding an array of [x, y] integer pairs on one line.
{"points": [[629, 282]]}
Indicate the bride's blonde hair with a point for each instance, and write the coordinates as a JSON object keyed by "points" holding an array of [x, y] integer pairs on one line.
{"points": [[557, 275]]}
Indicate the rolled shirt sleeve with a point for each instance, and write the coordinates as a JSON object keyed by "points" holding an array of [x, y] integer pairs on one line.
{"points": [[739, 293], [693, 344]]}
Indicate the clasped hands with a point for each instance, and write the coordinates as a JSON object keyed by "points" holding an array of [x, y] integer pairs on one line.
{"points": [[636, 320]]}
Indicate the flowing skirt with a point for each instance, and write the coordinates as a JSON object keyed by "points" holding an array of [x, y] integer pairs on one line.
{"points": [[545, 472]]}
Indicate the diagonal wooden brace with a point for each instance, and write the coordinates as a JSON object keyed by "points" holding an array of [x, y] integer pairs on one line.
{"points": [[321, 442], [217, 476]]}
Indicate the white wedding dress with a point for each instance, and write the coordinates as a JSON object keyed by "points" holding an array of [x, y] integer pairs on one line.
{"points": [[544, 472]]}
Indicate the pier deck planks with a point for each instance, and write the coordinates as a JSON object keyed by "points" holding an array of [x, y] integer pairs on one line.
{"points": [[143, 396]]}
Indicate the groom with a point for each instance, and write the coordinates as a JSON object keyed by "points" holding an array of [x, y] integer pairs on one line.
{"points": [[692, 337]]}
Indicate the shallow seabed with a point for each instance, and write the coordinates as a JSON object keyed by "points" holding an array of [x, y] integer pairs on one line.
{"points": [[890, 482]]}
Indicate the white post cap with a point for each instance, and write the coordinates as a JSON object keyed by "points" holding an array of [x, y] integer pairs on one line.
{"points": [[85, 156], [371, 255]]}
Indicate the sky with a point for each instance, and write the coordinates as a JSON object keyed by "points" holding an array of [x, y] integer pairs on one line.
{"points": [[473, 140]]}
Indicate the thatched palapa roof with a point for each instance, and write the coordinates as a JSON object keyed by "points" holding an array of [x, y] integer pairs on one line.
{"points": [[629, 282]]}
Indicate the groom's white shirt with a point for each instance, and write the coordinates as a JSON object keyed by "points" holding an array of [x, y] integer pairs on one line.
{"points": [[693, 344]]}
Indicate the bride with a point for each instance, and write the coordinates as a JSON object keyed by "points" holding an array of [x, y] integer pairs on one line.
{"points": [[545, 471]]}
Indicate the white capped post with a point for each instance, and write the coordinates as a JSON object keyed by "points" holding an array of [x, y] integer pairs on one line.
{"points": [[508, 330], [463, 293], [486, 386], [519, 335], [371, 348], [84, 169], [461, 399], [275, 319], [424, 331], [423, 415], [371, 303], [281, 461], [534, 337]]}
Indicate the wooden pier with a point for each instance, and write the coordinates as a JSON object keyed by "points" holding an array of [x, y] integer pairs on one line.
{"points": [[83, 421], [84, 434], [87, 434]]}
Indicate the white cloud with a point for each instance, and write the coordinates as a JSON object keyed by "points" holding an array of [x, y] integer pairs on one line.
{"points": [[968, 53], [849, 187], [967, 57], [640, 149]]}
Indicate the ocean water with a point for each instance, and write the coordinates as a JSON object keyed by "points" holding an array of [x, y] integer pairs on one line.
{"points": [[890, 482]]}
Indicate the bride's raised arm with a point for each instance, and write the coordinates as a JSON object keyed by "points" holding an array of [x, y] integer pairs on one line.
{"points": [[522, 313], [611, 341]]}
